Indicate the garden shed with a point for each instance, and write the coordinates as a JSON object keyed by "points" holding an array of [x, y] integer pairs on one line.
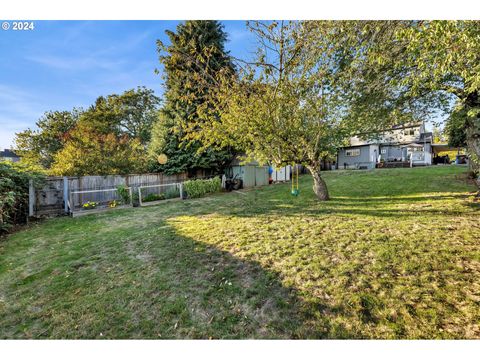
{"points": [[251, 173]]}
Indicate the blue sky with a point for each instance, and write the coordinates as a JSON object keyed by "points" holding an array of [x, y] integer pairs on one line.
{"points": [[65, 64]]}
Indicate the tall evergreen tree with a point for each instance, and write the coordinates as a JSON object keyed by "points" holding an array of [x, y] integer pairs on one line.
{"points": [[192, 60], [455, 127]]}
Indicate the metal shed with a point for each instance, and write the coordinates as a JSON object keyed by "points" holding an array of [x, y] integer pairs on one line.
{"points": [[252, 175]]}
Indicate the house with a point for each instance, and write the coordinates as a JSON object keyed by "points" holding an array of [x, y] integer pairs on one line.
{"points": [[9, 155], [405, 145]]}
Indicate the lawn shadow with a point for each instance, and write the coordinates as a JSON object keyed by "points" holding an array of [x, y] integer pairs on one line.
{"points": [[124, 281], [211, 293]]}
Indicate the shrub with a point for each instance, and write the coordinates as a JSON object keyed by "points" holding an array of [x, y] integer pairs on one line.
{"points": [[198, 188], [14, 180], [124, 193], [172, 193], [153, 197]]}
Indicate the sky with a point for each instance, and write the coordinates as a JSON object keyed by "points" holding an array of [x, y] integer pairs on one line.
{"points": [[64, 64], [60, 65]]}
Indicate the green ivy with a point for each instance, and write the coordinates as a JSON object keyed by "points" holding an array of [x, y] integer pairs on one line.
{"points": [[14, 180]]}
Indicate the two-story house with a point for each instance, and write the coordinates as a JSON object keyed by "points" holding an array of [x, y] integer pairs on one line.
{"points": [[407, 144]]}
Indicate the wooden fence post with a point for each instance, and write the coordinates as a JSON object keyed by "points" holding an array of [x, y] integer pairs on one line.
{"points": [[140, 196], [31, 197], [65, 194]]}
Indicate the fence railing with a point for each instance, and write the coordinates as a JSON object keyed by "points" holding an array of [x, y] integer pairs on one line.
{"points": [[85, 200], [65, 195], [52, 198], [154, 194]]}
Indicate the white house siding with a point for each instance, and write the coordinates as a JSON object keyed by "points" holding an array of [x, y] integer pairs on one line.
{"points": [[400, 136]]}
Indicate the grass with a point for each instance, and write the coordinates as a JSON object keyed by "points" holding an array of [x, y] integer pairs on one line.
{"points": [[394, 254]]}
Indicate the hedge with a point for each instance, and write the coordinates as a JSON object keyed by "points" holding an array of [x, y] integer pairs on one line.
{"points": [[198, 188], [14, 182]]}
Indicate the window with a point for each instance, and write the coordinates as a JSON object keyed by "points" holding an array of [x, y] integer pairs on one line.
{"points": [[352, 152], [415, 149], [409, 132], [383, 151]]}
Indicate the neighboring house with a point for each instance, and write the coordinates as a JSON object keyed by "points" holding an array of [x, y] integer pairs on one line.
{"points": [[9, 155], [398, 146]]}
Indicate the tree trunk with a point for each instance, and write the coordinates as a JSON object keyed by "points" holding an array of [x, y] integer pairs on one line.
{"points": [[472, 133], [473, 142], [472, 130], [319, 186]]}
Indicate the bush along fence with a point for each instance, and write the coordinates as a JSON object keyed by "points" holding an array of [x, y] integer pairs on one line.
{"points": [[198, 188], [153, 194], [14, 194]]}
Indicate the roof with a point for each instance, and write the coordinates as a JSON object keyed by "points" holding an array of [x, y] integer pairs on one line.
{"points": [[8, 153], [392, 128], [444, 147], [414, 144]]}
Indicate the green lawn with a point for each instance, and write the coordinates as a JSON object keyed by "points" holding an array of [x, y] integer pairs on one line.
{"points": [[394, 254]]}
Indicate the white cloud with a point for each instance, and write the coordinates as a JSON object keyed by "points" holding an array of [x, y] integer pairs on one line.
{"points": [[76, 63], [94, 56]]}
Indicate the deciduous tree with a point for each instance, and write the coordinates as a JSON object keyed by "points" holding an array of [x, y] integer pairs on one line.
{"points": [[137, 110], [103, 141], [38, 147], [91, 152], [293, 102]]}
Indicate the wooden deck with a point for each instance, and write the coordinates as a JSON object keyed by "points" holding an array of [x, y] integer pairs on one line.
{"points": [[394, 164]]}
